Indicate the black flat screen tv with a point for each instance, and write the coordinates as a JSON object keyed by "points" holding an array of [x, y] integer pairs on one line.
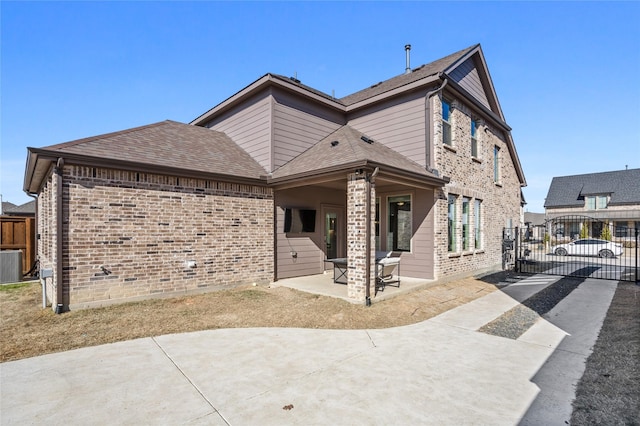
{"points": [[299, 220]]}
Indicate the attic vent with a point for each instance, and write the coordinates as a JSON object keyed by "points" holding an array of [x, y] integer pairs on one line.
{"points": [[294, 79], [335, 143], [366, 139], [376, 85]]}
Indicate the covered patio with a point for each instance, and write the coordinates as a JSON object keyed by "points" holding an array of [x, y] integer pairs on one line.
{"points": [[324, 285]]}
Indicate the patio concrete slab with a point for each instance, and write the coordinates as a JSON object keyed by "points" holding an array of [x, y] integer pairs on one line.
{"points": [[441, 371]]}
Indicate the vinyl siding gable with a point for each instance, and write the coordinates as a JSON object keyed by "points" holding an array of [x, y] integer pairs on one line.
{"points": [[466, 75]]}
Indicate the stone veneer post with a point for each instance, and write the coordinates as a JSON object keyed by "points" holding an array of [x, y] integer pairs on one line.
{"points": [[357, 223]]}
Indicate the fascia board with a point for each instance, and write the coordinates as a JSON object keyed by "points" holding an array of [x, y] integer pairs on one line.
{"points": [[391, 93]]}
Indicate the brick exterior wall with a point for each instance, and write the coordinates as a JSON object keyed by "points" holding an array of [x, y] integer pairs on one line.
{"points": [[472, 178], [145, 229]]}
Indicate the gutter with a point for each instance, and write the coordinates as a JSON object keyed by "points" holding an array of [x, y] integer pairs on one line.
{"points": [[59, 279]]}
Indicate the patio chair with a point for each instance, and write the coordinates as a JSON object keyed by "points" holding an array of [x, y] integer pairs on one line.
{"points": [[385, 269]]}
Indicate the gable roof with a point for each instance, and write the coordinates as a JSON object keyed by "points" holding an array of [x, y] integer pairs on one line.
{"points": [[346, 149], [167, 147], [569, 191]]}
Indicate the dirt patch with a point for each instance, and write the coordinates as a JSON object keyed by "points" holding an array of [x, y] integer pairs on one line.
{"points": [[27, 330]]}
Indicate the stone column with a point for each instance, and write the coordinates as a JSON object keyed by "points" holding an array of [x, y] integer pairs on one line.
{"points": [[357, 223]]}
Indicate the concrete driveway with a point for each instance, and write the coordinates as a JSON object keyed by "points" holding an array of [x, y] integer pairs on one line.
{"points": [[441, 371]]}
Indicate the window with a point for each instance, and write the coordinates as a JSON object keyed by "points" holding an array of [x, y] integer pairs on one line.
{"points": [[477, 237], [446, 122], [601, 202], [451, 224], [496, 164], [400, 228], [595, 202], [474, 138], [465, 223], [622, 230]]}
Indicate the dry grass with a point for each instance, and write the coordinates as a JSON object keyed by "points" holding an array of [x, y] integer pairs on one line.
{"points": [[27, 330]]}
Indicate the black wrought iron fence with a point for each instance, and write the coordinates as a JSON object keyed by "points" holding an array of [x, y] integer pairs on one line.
{"points": [[574, 246]]}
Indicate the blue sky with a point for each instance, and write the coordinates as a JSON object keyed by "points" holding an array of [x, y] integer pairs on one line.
{"points": [[566, 73]]}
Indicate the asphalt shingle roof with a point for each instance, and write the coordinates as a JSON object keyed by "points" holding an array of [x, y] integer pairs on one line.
{"points": [[350, 148], [401, 80], [569, 191], [169, 144]]}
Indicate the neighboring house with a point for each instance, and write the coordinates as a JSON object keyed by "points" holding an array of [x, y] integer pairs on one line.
{"points": [[535, 226], [595, 200], [27, 209], [276, 179]]}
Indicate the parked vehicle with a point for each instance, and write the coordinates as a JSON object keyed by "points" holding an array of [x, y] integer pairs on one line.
{"points": [[588, 247]]}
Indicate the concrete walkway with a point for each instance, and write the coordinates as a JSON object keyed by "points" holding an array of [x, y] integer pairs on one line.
{"points": [[441, 371]]}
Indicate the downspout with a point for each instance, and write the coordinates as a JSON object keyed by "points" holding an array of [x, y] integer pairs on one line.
{"points": [[59, 290], [429, 122], [369, 180]]}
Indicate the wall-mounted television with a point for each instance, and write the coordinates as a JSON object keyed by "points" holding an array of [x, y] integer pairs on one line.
{"points": [[299, 220]]}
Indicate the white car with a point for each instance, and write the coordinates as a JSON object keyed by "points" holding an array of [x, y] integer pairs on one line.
{"points": [[588, 247]]}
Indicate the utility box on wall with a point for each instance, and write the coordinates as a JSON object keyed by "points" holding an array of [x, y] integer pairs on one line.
{"points": [[10, 266]]}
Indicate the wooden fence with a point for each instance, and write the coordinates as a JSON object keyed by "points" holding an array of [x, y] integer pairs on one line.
{"points": [[18, 233]]}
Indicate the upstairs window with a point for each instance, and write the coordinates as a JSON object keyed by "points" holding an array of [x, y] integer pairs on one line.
{"points": [[446, 122], [474, 138], [596, 202], [496, 164]]}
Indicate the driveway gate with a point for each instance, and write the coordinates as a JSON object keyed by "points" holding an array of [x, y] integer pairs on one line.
{"points": [[575, 245]]}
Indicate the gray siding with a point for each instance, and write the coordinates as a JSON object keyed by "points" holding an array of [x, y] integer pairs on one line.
{"points": [[249, 125], [298, 126], [400, 125], [309, 247], [419, 262], [466, 74]]}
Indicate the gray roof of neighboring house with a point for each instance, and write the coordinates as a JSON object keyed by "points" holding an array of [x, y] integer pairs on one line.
{"points": [[534, 218], [343, 148], [569, 191], [26, 209], [167, 145]]}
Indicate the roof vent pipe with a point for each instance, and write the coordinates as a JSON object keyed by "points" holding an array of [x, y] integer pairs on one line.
{"points": [[407, 49]]}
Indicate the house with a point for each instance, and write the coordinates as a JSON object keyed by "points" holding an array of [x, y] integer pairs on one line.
{"points": [[591, 202], [276, 179], [27, 209]]}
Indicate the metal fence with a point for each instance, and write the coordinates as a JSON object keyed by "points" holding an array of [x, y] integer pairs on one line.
{"points": [[575, 245]]}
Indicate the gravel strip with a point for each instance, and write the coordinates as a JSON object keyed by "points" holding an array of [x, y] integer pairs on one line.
{"points": [[516, 321]]}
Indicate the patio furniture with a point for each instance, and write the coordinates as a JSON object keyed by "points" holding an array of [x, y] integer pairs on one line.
{"points": [[385, 268], [339, 269]]}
